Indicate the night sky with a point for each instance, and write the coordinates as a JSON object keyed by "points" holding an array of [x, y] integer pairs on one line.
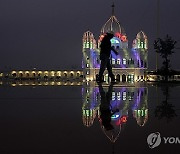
{"points": [[47, 34]]}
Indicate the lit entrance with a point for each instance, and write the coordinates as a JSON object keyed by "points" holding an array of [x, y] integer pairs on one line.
{"points": [[106, 78], [130, 78]]}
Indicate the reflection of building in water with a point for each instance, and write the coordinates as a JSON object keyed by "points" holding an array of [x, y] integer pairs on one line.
{"points": [[90, 105], [140, 108], [131, 63], [40, 83], [123, 99]]}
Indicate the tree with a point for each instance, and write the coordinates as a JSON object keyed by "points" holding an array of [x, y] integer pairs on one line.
{"points": [[165, 109], [166, 49]]}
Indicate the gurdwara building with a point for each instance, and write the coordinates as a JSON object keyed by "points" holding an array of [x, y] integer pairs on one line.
{"points": [[131, 63]]}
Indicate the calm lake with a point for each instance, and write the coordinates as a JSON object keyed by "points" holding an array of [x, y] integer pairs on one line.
{"points": [[71, 119]]}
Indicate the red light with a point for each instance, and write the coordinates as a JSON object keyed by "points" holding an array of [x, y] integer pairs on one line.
{"points": [[124, 119], [101, 37], [123, 38], [118, 35]]}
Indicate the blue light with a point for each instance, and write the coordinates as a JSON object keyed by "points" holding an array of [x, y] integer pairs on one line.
{"points": [[115, 41], [115, 116]]}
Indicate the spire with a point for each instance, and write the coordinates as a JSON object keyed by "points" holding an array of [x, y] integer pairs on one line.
{"points": [[113, 8]]}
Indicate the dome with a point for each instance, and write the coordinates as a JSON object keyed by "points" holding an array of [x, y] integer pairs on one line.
{"points": [[111, 26], [141, 35], [88, 34]]}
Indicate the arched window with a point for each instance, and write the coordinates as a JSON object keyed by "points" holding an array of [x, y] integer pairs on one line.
{"points": [[118, 61], [14, 74], [124, 61], [65, 74], [113, 61], [123, 78]]}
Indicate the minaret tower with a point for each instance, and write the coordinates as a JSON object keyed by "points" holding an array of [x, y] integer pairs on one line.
{"points": [[88, 50]]}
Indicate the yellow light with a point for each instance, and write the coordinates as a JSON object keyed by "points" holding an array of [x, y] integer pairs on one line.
{"points": [[58, 73], [52, 83], [13, 84], [52, 73], [13, 72], [58, 83], [21, 72]]}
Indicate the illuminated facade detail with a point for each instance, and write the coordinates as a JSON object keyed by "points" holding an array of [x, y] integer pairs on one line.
{"points": [[141, 41], [42, 83], [140, 108], [55, 75], [123, 99], [90, 105], [131, 60]]}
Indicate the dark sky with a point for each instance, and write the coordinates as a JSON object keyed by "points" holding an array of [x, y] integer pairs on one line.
{"points": [[47, 34]]}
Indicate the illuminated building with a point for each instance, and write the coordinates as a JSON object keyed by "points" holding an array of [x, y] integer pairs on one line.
{"points": [[123, 99], [131, 63], [45, 74]]}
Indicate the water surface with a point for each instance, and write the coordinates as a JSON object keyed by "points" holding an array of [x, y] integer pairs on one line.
{"points": [[66, 119]]}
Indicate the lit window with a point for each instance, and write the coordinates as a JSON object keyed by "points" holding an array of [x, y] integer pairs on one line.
{"points": [[91, 46], [87, 72], [118, 61], [113, 96], [124, 96], [87, 65], [139, 45], [113, 61], [87, 45], [124, 61], [84, 45], [118, 96]]}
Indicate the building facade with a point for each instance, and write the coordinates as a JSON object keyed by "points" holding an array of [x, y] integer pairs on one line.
{"points": [[131, 63]]}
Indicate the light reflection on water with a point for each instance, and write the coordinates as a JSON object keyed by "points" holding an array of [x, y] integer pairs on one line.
{"points": [[50, 119], [100, 102]]}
